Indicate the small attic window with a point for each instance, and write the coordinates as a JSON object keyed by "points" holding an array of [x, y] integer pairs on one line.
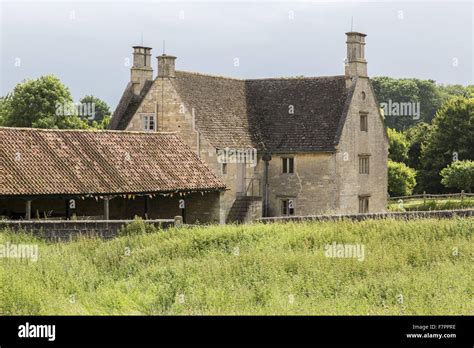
{"points": [[148, 122], [362, 95]]}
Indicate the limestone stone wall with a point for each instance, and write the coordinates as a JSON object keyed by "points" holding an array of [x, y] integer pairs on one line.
{"points": [[312, 186], [355, 142]]}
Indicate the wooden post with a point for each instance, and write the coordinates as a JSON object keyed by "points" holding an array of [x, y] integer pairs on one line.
{"points": [[178, 221], [182, 206], [424, 197], [462, 196], [28, 210], [106, 208], [147, 206], [68, 211]]}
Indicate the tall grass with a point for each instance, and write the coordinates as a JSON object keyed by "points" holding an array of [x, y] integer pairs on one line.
{"points": [[413, 267], [432, 204]]}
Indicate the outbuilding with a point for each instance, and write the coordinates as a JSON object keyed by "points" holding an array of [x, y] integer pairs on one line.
{"points": [[102, 175]]}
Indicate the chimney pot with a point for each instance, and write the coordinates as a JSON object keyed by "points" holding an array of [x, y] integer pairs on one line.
{"points": [[141, 70], [356, 65], [166, 66]]}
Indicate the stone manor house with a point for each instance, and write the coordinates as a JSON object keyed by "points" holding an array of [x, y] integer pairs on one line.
{"points": [[208, 148], [280, 146]]}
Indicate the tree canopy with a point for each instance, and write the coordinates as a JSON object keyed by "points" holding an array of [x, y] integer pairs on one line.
{"points": [[35, 103], [401, 179], [450, 139], [46, 102], [398, 149], [100, 108], [459, 174], [427, 93]]}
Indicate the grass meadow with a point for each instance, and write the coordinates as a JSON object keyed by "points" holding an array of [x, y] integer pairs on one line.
{"points": [[432, 204], [409, 267]]}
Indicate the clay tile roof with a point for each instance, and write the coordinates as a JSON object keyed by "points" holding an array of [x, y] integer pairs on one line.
{"points": [[49, 162]]}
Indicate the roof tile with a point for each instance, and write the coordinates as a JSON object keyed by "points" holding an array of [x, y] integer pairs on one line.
{"points": [[44, 162]]}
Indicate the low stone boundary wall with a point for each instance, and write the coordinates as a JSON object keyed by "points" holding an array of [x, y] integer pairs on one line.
{"points": [[66, 229], [409, 215]]}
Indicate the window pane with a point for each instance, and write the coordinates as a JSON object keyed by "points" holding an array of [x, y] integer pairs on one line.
{"points": [[363, 122], [152, 123], [363, 165], [291, 207], [284, 204], [363, 204], [285, 165], [291, 165]]}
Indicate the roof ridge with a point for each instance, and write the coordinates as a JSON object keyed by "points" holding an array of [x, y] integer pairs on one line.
{"points": [[209, 75], [31, 129], [298, 78], [263, 78]]}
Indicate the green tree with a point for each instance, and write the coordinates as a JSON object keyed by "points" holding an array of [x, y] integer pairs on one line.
{"points": [[99, 107], [470, 91], [103, 124], [396, 90], [401, 179], [449, 91], [398, 149], [426, 92], [4, 109], [451, 138], [417, 136], [43, 103], [459, 174], [430, 99]]}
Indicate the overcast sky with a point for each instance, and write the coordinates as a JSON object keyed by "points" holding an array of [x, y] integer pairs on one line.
{"points": [[88, 44]]}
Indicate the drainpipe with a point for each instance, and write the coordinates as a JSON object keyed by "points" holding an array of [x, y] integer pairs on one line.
{"points": [[266, 158]]}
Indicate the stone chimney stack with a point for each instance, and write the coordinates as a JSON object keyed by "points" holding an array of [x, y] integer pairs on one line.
{"points": [[141, 70], [356, 65], [166, 66]]}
